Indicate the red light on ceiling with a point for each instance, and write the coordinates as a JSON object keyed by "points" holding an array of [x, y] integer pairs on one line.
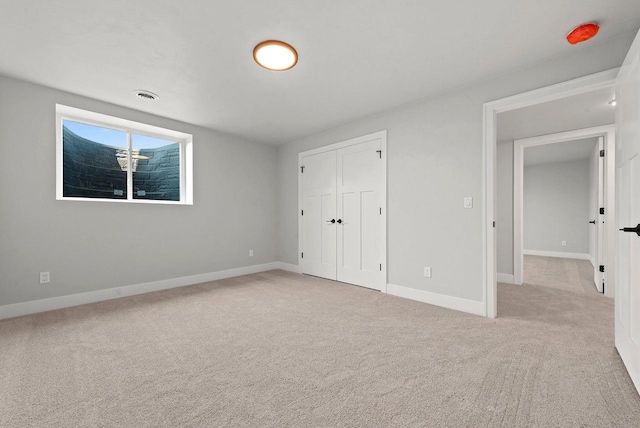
{"points": [[583, 33]]}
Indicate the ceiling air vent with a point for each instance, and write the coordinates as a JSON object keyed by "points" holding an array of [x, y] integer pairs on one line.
{"points": [[146, 95]]}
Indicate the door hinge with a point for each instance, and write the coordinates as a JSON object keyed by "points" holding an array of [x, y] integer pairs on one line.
{"points": [[380, 210], [601, 153], [602, 211], [301, 170], [494, 224], [601, 268], [302, 255], [302, 212], [380, 267], [380, 153]]}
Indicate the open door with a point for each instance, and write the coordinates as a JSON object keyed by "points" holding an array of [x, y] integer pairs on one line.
{"points": [[598, 274], [627, 300]]}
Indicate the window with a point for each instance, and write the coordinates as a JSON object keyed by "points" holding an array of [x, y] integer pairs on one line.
{"points": [[105, 158]]}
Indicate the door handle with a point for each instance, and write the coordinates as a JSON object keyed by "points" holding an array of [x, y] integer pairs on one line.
{"points": [[632, 229], [592, 222], [333, 220], [339, 221]]}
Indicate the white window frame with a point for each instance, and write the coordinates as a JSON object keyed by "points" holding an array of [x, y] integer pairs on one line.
{"points": [[130, 127]]}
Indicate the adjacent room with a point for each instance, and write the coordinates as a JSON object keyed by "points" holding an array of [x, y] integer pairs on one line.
{"points": [[556, 204], [348, 214], [552, 191]]}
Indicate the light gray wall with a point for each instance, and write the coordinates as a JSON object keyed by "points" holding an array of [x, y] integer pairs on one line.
{"points": [[246, 194], [90, 246], [435, 158], [504, 215], [556, 206]]}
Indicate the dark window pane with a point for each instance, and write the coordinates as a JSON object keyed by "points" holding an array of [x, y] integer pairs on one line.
{"points": [[156, 168], [94, 161]]}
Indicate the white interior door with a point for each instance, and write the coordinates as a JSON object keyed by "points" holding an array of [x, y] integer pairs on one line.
{"points": [[359, 192], [598, 276], [318, 215], [593, 211], [627, 300]]}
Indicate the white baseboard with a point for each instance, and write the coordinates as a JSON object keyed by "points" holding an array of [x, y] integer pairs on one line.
{"points": [[579, 256], [450, 302], [288, 267], [43, 305], [505, 278]]}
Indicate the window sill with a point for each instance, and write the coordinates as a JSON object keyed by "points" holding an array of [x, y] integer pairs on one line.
{"points": [[126, 201]]}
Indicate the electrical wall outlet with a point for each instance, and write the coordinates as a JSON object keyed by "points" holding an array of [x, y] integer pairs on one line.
{"points": [[564, 243], [427, 272], [250, 253], [45, 278], [468, 202]]}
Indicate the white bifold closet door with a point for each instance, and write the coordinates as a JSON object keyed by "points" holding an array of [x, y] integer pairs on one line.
{"points": [[319, 215], [358, 193], [342, 214]]}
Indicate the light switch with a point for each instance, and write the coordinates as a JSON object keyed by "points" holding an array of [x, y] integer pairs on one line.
{"points": [[468, 202]]}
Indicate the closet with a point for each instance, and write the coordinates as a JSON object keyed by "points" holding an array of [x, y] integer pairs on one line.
{"points": [[343, 211]]}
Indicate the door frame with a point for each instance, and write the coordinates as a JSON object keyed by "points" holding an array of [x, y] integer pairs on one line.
{"points": [[606, 131], [491, 109], [382, 135]]}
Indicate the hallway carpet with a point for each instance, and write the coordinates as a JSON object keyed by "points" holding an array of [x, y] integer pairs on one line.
{"points": [[278, 349], [564, 274]]}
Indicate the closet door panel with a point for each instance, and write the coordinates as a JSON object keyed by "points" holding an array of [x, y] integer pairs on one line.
{"points": [[319, 208], [358, 193], [370, 216], [349, 232]]}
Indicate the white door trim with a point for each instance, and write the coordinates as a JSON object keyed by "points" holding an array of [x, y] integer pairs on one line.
{"points": [[382, 135], [491, 109], [607, 131]]}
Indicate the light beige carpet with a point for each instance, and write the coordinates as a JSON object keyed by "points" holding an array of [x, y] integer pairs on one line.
{"points": [[564, 274], [277, 349]]}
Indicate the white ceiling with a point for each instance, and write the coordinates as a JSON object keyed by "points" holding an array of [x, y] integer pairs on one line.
{"points": [[577, 112], [357, 57], [559, 152]]}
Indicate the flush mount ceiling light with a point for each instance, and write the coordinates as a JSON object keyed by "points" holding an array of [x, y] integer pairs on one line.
{"points": [[146, 95], [275, 55], [583, 33], [612, 102]]}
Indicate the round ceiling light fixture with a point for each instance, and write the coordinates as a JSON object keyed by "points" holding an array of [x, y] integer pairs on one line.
{"points": [[275, 55], [146, 95], [583, 33], [613, 102]]}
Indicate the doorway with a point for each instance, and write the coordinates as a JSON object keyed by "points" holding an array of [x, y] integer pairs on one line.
{"points": [[623, 249], [600, 144], [560, 91]]}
